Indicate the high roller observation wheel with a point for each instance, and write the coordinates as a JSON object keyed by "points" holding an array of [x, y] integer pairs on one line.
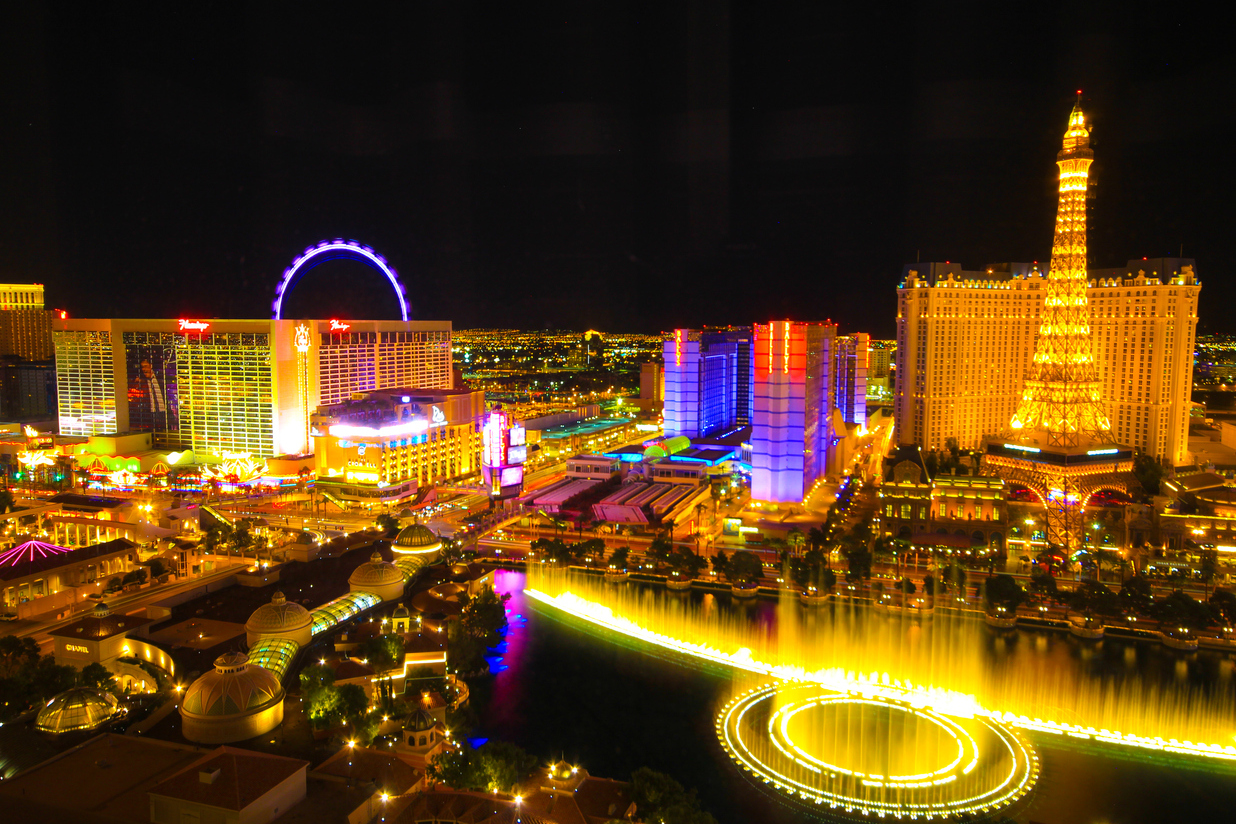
{"points": [[332, 250]]}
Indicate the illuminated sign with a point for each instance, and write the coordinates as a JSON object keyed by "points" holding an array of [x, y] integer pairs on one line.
{"points": [[517, 454], [193, 325], [76, 648], [512, 476], [1021, 448], [30, 431], [339, 326], [494, 435], [346, 430], [302, 338], [437, 418], [1102, 451], [36, 458], [518, 435]]}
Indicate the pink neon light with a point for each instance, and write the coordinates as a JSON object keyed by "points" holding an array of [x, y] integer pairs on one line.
{"points": [[193, 325], [26, 552], [339, 326]]}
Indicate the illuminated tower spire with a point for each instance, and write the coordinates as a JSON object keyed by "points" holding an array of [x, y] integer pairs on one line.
{"points": [[1059, 443], [1060, 404]]}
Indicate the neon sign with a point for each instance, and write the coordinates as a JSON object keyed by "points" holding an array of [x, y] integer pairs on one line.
{"points": [[76, 648], [302, 339], [438, 418], [193, 325], [339, 326], [330, 250], [347, 430]]}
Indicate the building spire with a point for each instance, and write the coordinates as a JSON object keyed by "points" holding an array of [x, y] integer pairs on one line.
{"points": [[1061, 404]]}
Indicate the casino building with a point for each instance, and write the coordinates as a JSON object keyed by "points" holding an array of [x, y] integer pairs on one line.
{"points": [[220, 387], [383, 446]]}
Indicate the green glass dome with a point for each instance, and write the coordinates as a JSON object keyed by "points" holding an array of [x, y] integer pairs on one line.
{"points": [[80, 708], [418, 537]]}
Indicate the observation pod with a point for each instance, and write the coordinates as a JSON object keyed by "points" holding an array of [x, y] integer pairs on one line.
{"points": [[279, 619], [233, 702]]}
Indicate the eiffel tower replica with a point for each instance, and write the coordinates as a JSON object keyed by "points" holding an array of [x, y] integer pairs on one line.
{"points": [[1059, 442]]}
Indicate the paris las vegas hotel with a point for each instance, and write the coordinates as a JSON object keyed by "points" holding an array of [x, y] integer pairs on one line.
{"points": [[965, 340]]}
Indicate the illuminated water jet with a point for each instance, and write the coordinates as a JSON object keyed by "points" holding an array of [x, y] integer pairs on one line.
{"points": [[911, 763], [1155, 719]]}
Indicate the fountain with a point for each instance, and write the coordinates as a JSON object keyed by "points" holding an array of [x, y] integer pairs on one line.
{"points": [[849, 709]]}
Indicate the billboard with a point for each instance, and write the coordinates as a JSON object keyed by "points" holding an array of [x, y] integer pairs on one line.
{"points": [[152, 394]]}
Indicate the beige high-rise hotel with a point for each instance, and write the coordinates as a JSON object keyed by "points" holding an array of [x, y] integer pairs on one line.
{"points": [[965, 340]]}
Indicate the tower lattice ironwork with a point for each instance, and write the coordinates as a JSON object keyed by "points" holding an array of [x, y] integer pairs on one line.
{"points": [[1059, 441]]}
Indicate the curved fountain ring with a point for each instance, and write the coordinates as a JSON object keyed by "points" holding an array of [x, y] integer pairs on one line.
{"points": [[973, 782]]}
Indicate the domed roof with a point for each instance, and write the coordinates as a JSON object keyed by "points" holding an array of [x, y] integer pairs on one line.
{"points": [[102, 610], [401, 611], [417, 536], [280, 615], [231, 688], [375, 572], [80, 708], [420, 721]]}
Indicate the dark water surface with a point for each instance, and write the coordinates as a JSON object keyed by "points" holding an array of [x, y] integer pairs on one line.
{"points": [[611, 707]]}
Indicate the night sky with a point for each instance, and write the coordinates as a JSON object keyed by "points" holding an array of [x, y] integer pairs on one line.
{"points": [[617, 166]]}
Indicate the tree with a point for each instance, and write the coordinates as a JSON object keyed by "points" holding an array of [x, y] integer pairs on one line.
{"points": [[618, 559], [353, 702], [955, 577], [504, 765], [589, 548], [1181, 610], [135, 576], [907, 586], [1223, 605], [1209, 567], [484, 616], [720, 563], [660, 550], [1093, 597], [455, 768], [16, 654], [158, 567], [1042, 585], [858, 561], [1137, 596], [796, 540], [687, 563], [1003, 591], [658, 797], [6, 499], [743, 568], [383, 653], [96, 676], [387, 523], [452, 551], [240, 539]]}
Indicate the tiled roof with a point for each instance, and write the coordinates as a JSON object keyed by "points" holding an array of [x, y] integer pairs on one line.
{"points": [[100, 628], [244, 777]]}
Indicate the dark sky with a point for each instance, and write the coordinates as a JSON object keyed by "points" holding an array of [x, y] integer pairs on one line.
{"points": [[618, 166]]}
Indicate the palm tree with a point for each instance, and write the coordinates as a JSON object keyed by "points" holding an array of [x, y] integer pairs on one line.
{"points": [[795, 539]]}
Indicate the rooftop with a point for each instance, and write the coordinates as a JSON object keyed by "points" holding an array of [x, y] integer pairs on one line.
{"points": [[99, 626], [110, 775], [243, 777], [31, 556]]}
